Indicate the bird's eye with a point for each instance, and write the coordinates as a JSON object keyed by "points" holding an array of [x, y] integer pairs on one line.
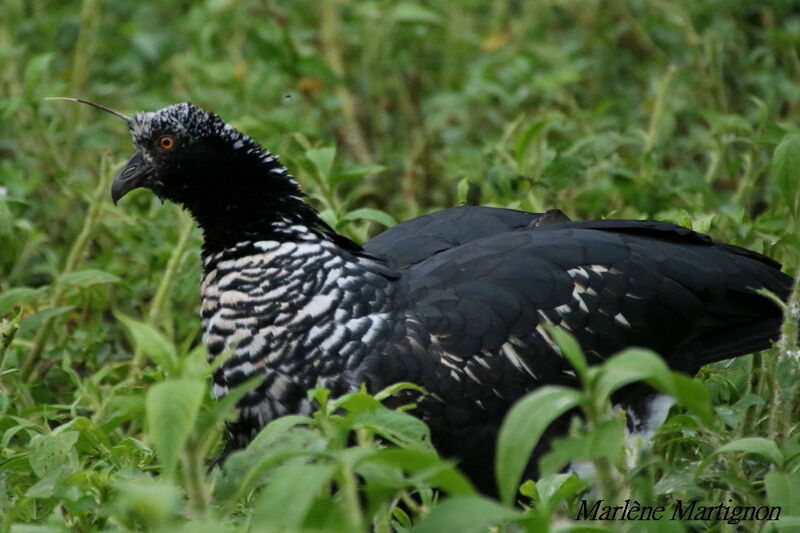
{"points": [[166, 142]]}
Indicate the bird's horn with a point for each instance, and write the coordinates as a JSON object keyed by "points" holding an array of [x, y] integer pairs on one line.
{"points": [[123, 116]]}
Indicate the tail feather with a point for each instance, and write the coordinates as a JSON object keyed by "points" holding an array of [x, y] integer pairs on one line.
{"points": [[732, 342]]}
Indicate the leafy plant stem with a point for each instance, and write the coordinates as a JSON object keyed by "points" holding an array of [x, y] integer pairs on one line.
{"points": [[352, 507], [592, 410], [73, 259], [382, 522], [157, 305], [7, 332], [193, 476], [409, 502], [651, 136], [329, 35], [787, 348], [83, 48]]}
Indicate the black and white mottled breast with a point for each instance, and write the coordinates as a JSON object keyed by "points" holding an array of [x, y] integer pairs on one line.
{"points": [[299, 312]]}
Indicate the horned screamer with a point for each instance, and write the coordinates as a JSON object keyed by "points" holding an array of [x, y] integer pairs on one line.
{"points": [[455, 301]]}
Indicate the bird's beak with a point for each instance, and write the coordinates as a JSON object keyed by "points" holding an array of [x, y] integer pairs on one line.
{"points": [[134, 175]]}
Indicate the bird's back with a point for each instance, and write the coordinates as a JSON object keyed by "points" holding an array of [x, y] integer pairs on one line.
{"points": [[478, 277], [480, 284], [420, 238]]}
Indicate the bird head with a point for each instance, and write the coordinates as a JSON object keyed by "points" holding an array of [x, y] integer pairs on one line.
{"points": [[192, 157], [235, 189], [177, 146], [187, 155]]}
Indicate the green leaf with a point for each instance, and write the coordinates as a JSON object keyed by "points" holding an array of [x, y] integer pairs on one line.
{"points": [[354, 403], [14, 297], [366, 213], [570, 349], [725, 122], [51, 452], [85, 278], [322, 158], [756, 445], [464, 515], [427, 467], [171, 411], [278, 427], [630, 366], [50, 485], [563, 171], [279, 440], [762, 447], [302, 140], [152, 502], [356, 172], [195, 363], [550, 491], [152, 343], [462, 190], [783, 489], [396, 388], [786, 169], [91, 438], [400, 428], [379, 477], [606, 440], [290, 494], [693, 395], [789, 524], [636, 364], [31, 323], [523, 426], [412, 12]]}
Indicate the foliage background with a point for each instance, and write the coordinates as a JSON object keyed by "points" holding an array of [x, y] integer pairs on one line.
{"points": [[627, 109]]}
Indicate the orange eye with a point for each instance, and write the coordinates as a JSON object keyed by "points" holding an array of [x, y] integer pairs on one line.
{"points": [[166, 142]]}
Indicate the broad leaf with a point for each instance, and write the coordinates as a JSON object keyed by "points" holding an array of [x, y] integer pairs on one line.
{"points": [[323, 160], [172, 408], [50, 452], [636, 364], [784, 490], [290, 494], [786, 169], [152, 343], [465, 515], [570, 349], [85, 278], [356, 172], [14, 297], [523, 426], [758, 446], [414, 12], [400, 428], [375, 215], [427, 467]]}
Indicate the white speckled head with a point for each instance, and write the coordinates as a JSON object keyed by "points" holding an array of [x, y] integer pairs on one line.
{"points": [[221, 176], [187, 122]]}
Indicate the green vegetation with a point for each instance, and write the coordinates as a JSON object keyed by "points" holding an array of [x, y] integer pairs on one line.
{"points": [[677, 110]]}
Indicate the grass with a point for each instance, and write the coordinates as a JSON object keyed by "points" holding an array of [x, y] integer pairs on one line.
{"points": [[680, 111]]}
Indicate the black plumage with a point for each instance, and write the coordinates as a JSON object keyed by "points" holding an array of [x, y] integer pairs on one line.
{"points": [[455, 301]]}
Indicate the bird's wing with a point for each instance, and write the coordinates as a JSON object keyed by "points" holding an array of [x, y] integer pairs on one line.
{"points": [[418, 239], [612, 284]]}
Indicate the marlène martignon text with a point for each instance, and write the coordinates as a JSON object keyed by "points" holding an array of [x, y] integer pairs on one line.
{"points": [[677, 510]]}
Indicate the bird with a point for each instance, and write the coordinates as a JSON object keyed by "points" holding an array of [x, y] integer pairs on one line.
{"points": [[457, 301]]}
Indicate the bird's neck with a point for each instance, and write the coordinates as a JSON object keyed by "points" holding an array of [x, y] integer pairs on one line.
{"points": [[288, 219], [255, 199], [275, 274]]}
